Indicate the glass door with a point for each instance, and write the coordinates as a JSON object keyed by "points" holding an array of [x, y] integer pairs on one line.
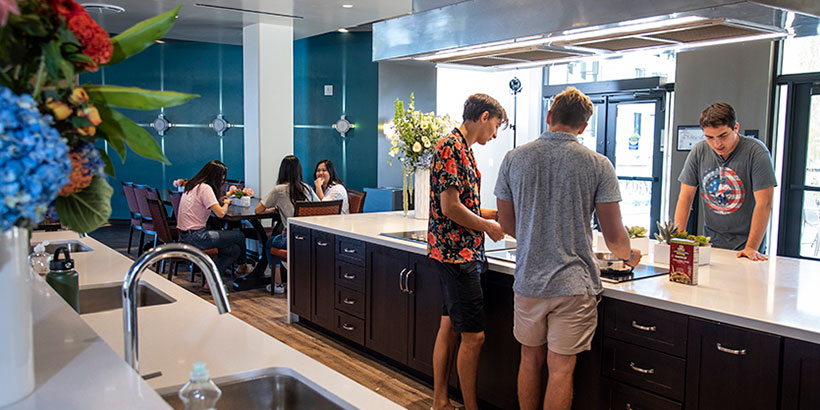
{"points": [[799, 234]]}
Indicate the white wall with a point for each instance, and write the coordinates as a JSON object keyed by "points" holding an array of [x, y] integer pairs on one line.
{"points": [[455, 85]]}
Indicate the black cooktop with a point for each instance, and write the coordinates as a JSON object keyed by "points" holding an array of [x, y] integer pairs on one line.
{"points": [[421, 236]]}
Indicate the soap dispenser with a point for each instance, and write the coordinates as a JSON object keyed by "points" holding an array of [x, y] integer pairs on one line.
{"points": [[200, 393]]}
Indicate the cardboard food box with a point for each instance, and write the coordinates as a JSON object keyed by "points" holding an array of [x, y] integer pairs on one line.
{"points": [[683, 261]]}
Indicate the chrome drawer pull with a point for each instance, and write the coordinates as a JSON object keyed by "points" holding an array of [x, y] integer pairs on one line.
{"points": [[322, 244], [401, 280], [629, 407], [738, 352], [644, 328], [348, 250], [299, 237], [639, 370], [349, 328], [349, 276], [348, 301]]}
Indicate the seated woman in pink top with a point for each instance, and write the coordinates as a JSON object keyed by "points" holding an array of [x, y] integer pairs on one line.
{"points": [[196, 205]]}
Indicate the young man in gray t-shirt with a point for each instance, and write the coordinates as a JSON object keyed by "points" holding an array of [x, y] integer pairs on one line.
{"points": [[547, 190], [727, 167]]}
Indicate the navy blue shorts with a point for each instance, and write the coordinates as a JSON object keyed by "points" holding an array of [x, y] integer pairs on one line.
{"points": [[462, 295]]}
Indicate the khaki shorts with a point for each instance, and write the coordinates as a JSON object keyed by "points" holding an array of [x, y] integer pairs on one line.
{"points": [[565, 324]]}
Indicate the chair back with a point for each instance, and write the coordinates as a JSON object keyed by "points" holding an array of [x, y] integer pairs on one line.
{"points": [[355, 201], [313, 208], [160, 221], [141, 193], [131, 199], [176, 198]]}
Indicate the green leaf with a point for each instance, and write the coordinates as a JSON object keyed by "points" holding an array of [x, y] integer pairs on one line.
{"points": [[142, 35], [115, 142], [136, 98], [87, 210], [116, 125], [55, 63], [109, 166], [80, 122]]}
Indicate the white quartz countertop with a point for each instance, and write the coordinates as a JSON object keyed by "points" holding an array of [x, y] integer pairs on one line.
{"points": [[779, 296], [173, 336]]}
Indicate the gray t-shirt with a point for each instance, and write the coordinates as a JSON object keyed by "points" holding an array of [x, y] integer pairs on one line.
{"points": [[554, 183], [280, 198], [728, 186]]}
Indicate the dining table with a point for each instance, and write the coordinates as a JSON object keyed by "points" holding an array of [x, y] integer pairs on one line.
{"points": [[235, 216]]}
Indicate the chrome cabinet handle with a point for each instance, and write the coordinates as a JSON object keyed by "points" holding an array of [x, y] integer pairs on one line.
{"points": [[640, 370], [629, 406], [348, 250], [407, 281], [736, 352], [644, 328], [348, 301], [348, 327], [349, 276], [299, 237], [401, 279], [322, 244]]}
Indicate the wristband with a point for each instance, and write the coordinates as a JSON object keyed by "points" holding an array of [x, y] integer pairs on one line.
{"points": [[631, 256]]}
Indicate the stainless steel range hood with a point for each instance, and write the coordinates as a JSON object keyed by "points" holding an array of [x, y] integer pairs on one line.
{"points": [[519, 33]]}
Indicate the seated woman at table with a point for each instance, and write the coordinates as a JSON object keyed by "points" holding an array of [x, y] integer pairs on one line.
{"points": [[196, 205], [328, 186], [289, 189]]}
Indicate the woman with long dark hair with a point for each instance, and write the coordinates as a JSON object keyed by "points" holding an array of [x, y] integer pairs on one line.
{"points": [[289, 189], [198, 201], [328, 186]]}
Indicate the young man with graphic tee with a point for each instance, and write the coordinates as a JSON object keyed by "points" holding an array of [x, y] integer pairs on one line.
{"points": [[727, 167], [455, 238], [547, 191]]}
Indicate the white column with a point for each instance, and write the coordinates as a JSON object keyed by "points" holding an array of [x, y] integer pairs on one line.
{"points": [[267, 51]]}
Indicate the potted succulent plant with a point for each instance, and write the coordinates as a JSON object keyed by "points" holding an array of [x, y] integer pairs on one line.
{"points": [[669, 231]]}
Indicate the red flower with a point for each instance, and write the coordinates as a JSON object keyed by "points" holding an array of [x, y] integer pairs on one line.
{"points": [[95, 41], [454, 237], [446, 152], [435, 254], [66, 8], [466, 254], [478, 240], [450, 166], [431, 239]]}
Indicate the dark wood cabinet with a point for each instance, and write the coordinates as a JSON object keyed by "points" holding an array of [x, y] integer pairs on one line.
{"points": [[300, 268], [801, 376], [645, 368], [731, 368], [324, 274], [388, 306], [656, 329], [425, 312], [623, 397]]}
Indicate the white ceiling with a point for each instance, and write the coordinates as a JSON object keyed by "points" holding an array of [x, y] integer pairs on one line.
{"points": [[223, 26]]}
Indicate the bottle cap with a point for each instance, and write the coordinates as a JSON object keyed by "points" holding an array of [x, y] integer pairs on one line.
{"points": [[64, 264], [200, 373], [40, 247]]}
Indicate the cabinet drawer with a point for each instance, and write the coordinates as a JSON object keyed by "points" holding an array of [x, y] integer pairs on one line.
{"points": [[350, 301], [623, 397], [349, 327], [350, 276], [645, 326], [645, 368], [350, 250]]}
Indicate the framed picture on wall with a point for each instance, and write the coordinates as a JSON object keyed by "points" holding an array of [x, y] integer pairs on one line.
{"points": [[688, 136]]}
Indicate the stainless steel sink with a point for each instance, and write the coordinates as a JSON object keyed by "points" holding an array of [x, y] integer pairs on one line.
{"points": [[73, 246], [272, 388], [94, 300]]}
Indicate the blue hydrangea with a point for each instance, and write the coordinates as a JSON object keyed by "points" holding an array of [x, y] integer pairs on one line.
{"points": [[34, 161]]}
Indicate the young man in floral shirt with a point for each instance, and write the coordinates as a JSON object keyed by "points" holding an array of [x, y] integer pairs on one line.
{"points": [[455, 238]]}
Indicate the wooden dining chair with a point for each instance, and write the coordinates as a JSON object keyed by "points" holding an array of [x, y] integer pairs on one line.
{"points": [[176, 198], [169, 234], [355, 200], [304, 208], [141, 194], [134, 210]]}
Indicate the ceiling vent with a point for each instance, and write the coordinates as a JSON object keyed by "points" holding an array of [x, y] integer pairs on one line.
{"points": [[102, 8]]}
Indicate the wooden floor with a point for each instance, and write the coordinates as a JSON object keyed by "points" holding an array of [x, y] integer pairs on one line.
{"points": [[268, 314]]}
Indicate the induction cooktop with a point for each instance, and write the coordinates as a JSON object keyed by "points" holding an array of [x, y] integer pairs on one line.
{"points": [[611, 276], [421, 237]]}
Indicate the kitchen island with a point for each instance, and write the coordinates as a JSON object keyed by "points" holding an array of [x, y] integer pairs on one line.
{"points": [[89, 369], [749, 331]]}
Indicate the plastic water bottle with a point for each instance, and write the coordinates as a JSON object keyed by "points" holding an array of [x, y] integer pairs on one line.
{"points": [[200, 393]]}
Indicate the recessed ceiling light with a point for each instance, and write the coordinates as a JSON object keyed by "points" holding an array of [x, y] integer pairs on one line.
{"points": [[159, 41], [103, 8], [347, 6], [343, 30]]}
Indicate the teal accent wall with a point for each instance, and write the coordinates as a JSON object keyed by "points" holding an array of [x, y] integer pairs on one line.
{"points": [[191, 67], [343, 60]]}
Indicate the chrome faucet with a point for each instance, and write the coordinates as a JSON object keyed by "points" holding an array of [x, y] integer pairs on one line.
{"points": [[129, 290]]}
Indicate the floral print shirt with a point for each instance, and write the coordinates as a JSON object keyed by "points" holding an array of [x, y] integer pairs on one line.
{"points": [[454, 165]]}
